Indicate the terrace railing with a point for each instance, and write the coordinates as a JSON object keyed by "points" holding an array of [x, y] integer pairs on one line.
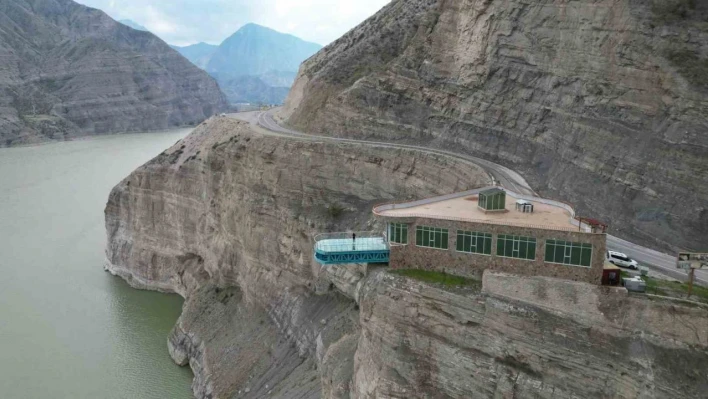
{"points": [[338, 248], [378, 209], [344, 242]]}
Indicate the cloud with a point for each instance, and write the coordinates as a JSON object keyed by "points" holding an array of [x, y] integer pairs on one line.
{"points": [[183, 22]]}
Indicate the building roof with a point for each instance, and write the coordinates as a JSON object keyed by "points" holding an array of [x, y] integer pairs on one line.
{"points": [[610, 266], [547, 214]]}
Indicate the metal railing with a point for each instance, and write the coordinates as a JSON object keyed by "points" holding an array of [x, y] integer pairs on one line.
{"points": [[345, 242], [378, 209], [483, 221]]}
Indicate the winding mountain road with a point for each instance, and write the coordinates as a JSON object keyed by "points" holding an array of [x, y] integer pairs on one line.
{"points": [[264, 122]]}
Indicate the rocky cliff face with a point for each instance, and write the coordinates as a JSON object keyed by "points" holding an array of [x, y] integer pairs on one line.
{"points": [[226, 219], [245, 207], [69, 71], [526, 338], [598, 103]]}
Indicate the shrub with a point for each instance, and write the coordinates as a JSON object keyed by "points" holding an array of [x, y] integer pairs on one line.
{"points": [[673, 10], [437, 277], [690, 65], [335, 211]]}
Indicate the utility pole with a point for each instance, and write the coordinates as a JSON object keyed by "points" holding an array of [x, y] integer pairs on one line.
{"points": [[690, 281]]}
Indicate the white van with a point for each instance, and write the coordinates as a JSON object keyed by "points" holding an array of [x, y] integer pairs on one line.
{"points": [[621, 260]]}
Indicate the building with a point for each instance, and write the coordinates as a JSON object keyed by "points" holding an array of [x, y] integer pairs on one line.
{"points": [[492, 228]]}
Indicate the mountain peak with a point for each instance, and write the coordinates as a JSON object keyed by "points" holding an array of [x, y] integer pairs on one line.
{"points": [[252, 25], [256, 49]]}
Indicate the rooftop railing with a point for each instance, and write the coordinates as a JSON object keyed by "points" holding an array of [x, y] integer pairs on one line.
{"points": [[379, 209]]}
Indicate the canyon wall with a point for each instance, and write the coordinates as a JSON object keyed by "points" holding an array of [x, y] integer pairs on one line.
{"points": [[600, 103], [70, 70], [226, 217], [229, 208], [525, 337]]}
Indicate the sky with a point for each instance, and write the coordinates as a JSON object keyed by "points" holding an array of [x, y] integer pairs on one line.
{"points": [[184, 22]]}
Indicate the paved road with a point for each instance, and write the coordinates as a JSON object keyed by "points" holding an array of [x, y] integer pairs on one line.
{"points": [[655, 260]]}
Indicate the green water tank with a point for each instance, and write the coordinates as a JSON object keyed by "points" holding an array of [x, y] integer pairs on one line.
{"points": [[493, 199]]}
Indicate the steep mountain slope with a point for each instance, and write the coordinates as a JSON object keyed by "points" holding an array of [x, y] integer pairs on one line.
{"points": [[133, 24], [263, 56], [199, 54], [599, 103], [226, 218], [251, 89], [69, 70]]}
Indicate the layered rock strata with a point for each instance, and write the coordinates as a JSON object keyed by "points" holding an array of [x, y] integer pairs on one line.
{"points": [[225, 218], [601, 104], [229, 208], [525, 337], [69, 71]]}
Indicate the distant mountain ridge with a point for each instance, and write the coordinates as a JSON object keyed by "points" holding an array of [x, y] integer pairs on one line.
{"points": [[70, 70], [256, 50], [255, 64], [133, 24], [199, 54]]}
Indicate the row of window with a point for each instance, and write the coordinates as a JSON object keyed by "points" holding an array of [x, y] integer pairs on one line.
{"points": [[510, 246]]}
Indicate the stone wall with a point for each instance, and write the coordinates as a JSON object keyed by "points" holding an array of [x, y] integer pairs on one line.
{"points": [[473, 265]]}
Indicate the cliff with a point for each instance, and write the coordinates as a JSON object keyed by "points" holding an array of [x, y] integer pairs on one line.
{"points": [[226, 218], [523, 337], [229, 208], [69, 71], [601, 104]]}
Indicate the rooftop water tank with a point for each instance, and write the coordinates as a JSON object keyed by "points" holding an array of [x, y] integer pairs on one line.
{"points": [[493, 199]]}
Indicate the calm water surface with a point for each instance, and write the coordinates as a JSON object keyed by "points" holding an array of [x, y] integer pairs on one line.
{"points": [[67, 328]]}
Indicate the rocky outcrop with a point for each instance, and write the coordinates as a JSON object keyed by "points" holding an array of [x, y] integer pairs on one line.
{"points": [[225, 218], [525, 337], [599, 103], [69, 70], [229, 208]]}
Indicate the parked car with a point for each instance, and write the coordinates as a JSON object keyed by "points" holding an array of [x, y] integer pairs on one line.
{"points": [[622, 260]]}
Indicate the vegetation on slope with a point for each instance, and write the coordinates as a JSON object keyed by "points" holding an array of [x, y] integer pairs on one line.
{"points": [[445, 279]]}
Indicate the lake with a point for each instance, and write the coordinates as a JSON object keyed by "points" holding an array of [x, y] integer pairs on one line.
{"points": [[67, 328]]}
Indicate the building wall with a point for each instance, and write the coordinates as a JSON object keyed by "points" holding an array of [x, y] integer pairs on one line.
{"points": [[473, 265]]}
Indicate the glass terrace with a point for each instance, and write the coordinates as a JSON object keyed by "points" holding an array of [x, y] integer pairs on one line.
{"points": [[339, 248]]}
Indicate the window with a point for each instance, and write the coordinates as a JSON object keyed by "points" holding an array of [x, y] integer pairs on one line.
{"points": [[568, 253], [431, 237], [620, 257], [398, 233], [472, 242], [516, 247]]}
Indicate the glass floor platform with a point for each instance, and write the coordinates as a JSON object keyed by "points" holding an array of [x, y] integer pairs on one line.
{"points": [[335, 250]]}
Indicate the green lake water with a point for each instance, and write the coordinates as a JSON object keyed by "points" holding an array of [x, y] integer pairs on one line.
{"points": [[67, 328]]}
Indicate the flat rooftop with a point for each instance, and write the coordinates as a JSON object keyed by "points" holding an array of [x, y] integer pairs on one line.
{"points": [[464, 208]]}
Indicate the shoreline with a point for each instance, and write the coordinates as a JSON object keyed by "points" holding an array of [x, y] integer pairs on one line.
{"points": [[138, 283], [90, 137]]}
